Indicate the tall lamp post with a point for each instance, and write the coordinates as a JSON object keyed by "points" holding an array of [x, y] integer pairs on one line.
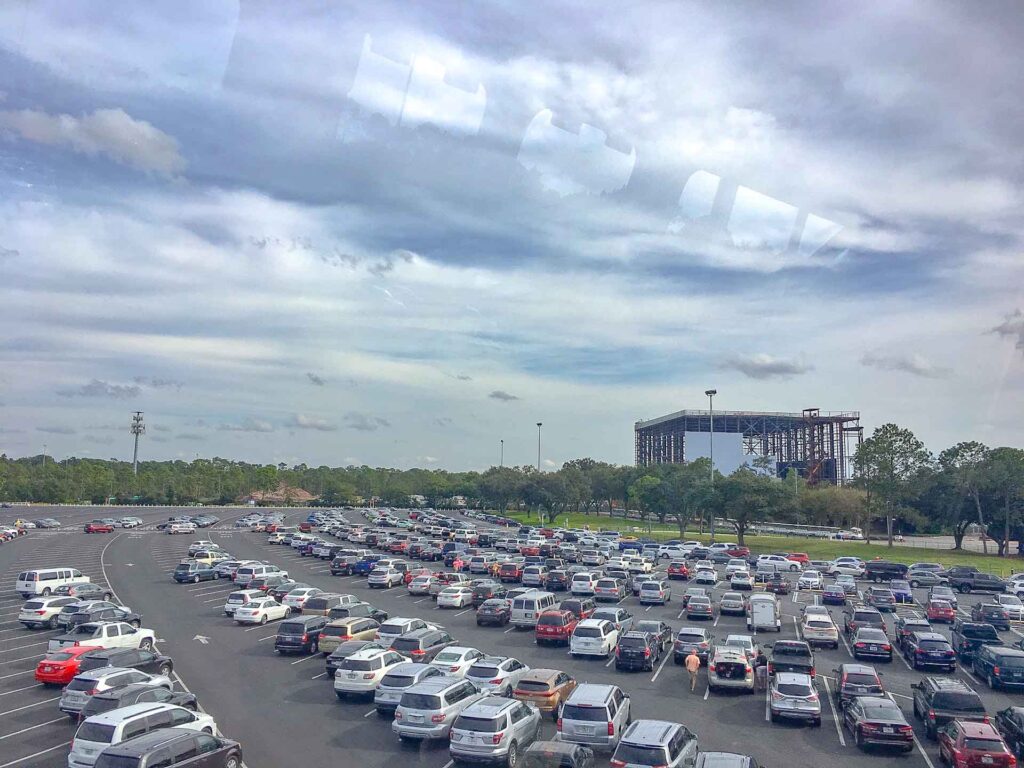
{"points": [[540, 515], [501, 459], [711, 448]]}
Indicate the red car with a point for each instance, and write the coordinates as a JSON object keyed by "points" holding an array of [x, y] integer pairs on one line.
{"points": [[412, 573], [677, 569], [738, 551], [941, 610], [547, 533], [798, 557], [305, 527], [555, 627], [98, 527], [58, 667], [510, 572], [529, 550], [963, 744]]}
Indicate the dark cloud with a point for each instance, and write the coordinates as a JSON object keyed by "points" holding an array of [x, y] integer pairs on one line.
{"points": [[317, 380], [502, 395], [302, 421], [157, 383], [912, 364], [364, 422], [8, 253], [247, 425], [57, 430], [98, 388], [99, 439], [443, 421], [1012, 327], [766, 366], [158, 428]]}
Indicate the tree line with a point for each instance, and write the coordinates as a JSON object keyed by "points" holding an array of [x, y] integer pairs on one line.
{"points": [[897, 486]]}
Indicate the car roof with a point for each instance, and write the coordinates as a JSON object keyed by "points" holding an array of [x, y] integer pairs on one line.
{"points": [[858, 669], [489, 706], [434, 684], [100, 672], [650, 732], [140, 745], [119, 715], [730, 650], [934, 636], [793, 678], [976, 729], [591, 693]]}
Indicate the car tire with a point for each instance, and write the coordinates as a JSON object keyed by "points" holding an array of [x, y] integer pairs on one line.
{"points": [[914, 584], [263, 619], [165, 670], [46, 592], [146, 645], [992, 682], [195, 579], [52, 623], [964, 589], [513, 755]]}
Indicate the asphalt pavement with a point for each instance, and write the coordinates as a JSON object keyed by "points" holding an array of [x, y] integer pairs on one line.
{"points": [[283, 709]]}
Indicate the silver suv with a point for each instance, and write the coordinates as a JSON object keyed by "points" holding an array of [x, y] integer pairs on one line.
{"points": [[428, 709], [656, 742], [595, 715], [396, 681], [494, 730], [77, 692]]}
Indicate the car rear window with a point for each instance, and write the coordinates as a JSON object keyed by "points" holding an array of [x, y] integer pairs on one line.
{"points": [[862, 679], [116, 761], [639, 754], [481, 670], [962, 702], [397, 681], [406, 644], [633, 642], [360, 665], [34, 605], [420, 701], [819, 624], [292, 628], [933, 645], [794, 689], [587, 632], [95, 732], [478, 724], [1014, 662], [534, 685], [586, 714], [984, 745], [81, 684], [985, 631], [551, 620]]}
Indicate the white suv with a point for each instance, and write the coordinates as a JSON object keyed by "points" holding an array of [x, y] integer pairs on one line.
{"points": [[593, 637], [361, 673]]}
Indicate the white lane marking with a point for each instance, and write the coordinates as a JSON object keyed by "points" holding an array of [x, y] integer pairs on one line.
{"points": [[35, 754], [449, 764], [26, 672], [835, 718], [610, 661], [317, 677], [661, 667], [19, 690], [707, 692], [29, 706], [266, 638], [371, 712], [510, 629], [460, 613], [715, 622], [842, 636], [33, 727], [214, 600], [305, 658]]}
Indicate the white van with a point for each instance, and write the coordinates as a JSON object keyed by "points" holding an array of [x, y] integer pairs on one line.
{"points": [[44, 580], [764, 612], [527, 607], [247, 573], [98, 732]]}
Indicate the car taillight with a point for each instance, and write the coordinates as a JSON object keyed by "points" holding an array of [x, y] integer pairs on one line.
{"points": [[305, 638], [398, 715], [92, 691], [813, 697], [495, 739], [931, 714], [886, 647], [860, 645], [747, 670], [870, 727], [618, 764], [611, 729], [417, 652], [995, 671], [496, 681], [437, 718], [771, 668], [711, 667], [647, 653], [812, 672], [906, 729], [453, 668], [40, 613]]}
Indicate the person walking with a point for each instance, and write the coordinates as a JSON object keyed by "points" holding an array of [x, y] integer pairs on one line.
{"points": [[693, 667], [761, 670]]}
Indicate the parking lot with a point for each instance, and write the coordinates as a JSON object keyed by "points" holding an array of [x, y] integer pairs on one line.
{"points": [[283, 709]]}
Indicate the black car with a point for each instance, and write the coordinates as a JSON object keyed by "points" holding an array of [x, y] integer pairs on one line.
{"points": [[662, 631], [870, 642], [496, 613], [558, 754], [791, 656], [877, 722], [135, 693], [1010, 724], [141, 659], [856, 680], [346, 649], [939, 700], [906, 624], [157, 747], [991, 613], [967, 637], [558, 581], [637, 650], [358, 611], [83, 591], [281, 589], [928, 649], [883, 570], [422, 645], [856, 618], [489, 591], [104, 614], [299, 634], [999, 666]]}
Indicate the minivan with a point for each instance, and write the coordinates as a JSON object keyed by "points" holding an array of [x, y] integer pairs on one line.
{"points": [[656, 742], [428, 709], [527, 607], [301, 633], [595, 715], [46, 580], [98, 732], [170, 748], [494, 730], [247, 573]]}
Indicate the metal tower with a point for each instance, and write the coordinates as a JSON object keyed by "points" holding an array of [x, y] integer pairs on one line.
{"points": [[138, 428]]}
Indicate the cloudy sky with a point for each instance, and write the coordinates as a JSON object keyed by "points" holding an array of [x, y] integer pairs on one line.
{"points": [[396, 234]]}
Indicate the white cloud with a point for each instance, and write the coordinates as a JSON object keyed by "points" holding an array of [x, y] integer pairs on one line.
{"points": [[302, 421], [913, 364], [110, 132], [762, 366], [248, 425]]}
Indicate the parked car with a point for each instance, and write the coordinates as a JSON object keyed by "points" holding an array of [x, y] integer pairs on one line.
{"points": [[883, 570], [817, 629], [969, 743], [658, 742], [877, 722], [60, 667], [662, 632], [362, 672], [494, 613], [299, 634], [510, 727], [941, 700], [791, 656], [422, 645], [855, 681], [593, 637], [941, 611], [150, 748], [906, 624], [833, 594], [1010, 724], [872, 643], [497, 674], [398, 679], [792, 696], [928, 649], [991, 613], [967, 637], [456, 660], [729, 667], [546, 689], [692, 639], [595, 715], [999, 666]]}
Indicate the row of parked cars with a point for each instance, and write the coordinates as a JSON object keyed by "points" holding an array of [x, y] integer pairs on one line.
{"points": [[116, 686]]}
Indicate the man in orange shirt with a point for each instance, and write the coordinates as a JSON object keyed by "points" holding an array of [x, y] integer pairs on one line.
{"points": [[693, 667]]}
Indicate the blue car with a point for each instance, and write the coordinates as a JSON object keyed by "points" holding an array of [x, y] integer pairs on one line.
{"points": [[365, 565], [901, 591], [833, 595]]}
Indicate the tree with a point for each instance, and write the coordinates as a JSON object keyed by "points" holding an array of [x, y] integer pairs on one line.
{"points": [[890, 466], [744, 497], [1003, 477], [965, 463]]}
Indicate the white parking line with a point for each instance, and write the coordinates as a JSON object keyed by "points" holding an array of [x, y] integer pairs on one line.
{"points": [[265, 638], [19, 690], [835, 718], [19, 647], [33, 727], [460, 613], [305, 658], [610, 661], [317, 677], [371, 712], [26, 672], [214, 600], [510, 629], [29, 706], [767, 704], [661, 666], [35, 754]]}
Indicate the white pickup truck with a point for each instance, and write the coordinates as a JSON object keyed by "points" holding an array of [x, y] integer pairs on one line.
{"points": [[106, 634]]}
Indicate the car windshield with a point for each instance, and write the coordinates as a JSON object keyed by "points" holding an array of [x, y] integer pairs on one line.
{"points": [[933, 645], [639, 754], [979, 631], [961, 702]]}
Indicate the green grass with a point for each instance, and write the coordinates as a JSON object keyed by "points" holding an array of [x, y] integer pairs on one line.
{"points": [[816, 549]]}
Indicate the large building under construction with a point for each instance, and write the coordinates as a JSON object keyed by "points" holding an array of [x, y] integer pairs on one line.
{"points": [[819, 446]]}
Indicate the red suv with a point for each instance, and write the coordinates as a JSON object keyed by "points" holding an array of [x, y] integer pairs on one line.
{"points": [[510, 572], [98, 527], [555, 627], [963, 743], [677, 569], [797, 557], [738, 551]]}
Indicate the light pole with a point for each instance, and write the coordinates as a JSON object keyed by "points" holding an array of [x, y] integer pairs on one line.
{"points": [[539, 425], [501, 459], [711, 449]]}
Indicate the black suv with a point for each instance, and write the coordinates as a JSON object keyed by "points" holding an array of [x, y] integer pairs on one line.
{"points": [[904, 625], [791, 656], [967, 637], [1010, 723], [422, 645], [856, 618], [853, 680], [135, 693], [883, 570], [104, 614], [358, 611], [1000, 667], [130, 658], [157, 748], [301, 633], [977, 582], [489, 591], [991, 613], [558, 754], [637, 650], [558, 581], [940, 700], [928, 649]]}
